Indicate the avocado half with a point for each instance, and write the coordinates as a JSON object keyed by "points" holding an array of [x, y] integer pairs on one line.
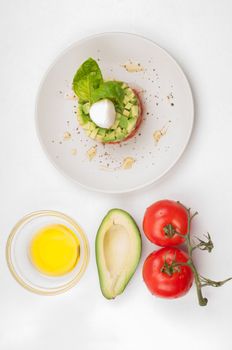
{"points": [[118, 248], [127, 120]]}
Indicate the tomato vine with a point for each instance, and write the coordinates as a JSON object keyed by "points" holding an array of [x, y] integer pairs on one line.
{"points": [[207, 244]]}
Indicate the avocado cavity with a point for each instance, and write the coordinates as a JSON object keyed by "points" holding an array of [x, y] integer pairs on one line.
{"points": [[116, 247], [118, 250]]}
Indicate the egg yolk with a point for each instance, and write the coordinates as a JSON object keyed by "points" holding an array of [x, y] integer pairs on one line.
{"points": [[55, 250]]}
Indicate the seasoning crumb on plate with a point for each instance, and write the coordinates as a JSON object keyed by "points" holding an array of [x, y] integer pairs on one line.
{"points": [[159, 133], [133, 67], [128, 163], [70, 96], [67, 136], [73, 151], [170, 98], [91, 153]]}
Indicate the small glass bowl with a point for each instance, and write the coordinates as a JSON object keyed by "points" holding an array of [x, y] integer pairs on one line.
{"points": [[19, 262]]}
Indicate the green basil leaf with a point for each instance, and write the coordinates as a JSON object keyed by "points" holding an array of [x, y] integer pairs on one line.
{"points": [[87, 79], [111, 90]]}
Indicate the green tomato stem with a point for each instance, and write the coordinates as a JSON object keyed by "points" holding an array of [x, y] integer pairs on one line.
{"points": [[200, 281], [202, 301]]}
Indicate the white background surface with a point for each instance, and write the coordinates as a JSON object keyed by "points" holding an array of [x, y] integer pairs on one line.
{"points": [[198, 34]]}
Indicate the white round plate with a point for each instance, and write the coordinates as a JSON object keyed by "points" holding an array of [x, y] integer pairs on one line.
{"points": [[163, 135]]}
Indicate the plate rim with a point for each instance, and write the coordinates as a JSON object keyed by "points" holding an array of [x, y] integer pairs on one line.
{"points": [[64, 173]]}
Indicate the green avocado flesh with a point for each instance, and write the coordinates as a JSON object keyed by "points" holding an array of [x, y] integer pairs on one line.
{"points": [[125, 123], [118, 248]]}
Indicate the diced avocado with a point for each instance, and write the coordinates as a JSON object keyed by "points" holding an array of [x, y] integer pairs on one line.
{"points": [[94, 133], [118, 116], [101, 132], [123, 122], [134, 100], [109, 137], [120, 134], [83, 119], [87, 126], [112, 135], [88, 132], [118, 131], [79, 108], [126, 113], [124, 86], [135, 111], [86, 108], [115, 125], [126, 99], [115, 265], [131, 124], [92, 126], [99, 138], [128, 106], [129, 92]]}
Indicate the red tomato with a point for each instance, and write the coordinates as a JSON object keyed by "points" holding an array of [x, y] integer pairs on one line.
{"points": [[165, 215], [170, 284]]}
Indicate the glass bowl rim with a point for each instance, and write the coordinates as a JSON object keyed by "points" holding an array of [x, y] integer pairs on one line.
{"points": [[29, 217]]}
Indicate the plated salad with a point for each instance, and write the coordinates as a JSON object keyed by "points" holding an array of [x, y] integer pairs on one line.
{"points": [[108, 111]]}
